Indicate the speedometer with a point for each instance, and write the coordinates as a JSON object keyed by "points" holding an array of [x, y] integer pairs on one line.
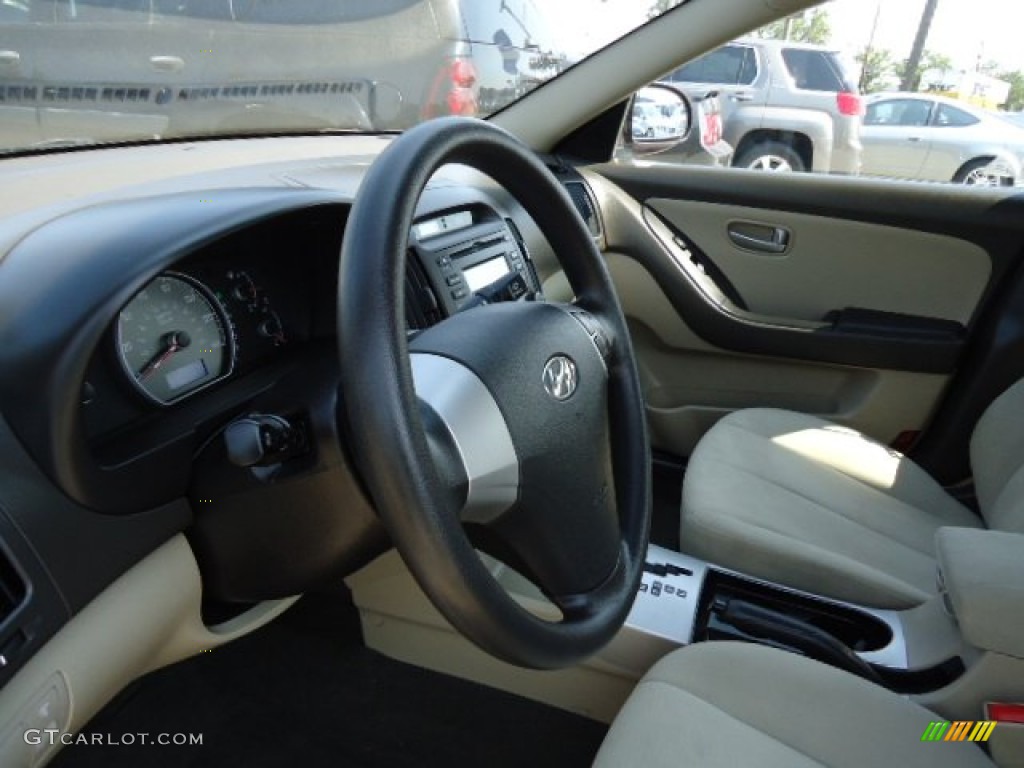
{"points": [[174, 338]]}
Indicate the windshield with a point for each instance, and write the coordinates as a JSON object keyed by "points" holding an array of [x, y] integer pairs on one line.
{"points": [[82, 72]]}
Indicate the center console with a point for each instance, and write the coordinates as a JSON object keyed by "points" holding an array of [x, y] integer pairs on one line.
{"points": [[683, 600]]}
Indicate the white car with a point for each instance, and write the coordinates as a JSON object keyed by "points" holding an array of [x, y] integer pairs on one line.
{"points": [[934, 138]]}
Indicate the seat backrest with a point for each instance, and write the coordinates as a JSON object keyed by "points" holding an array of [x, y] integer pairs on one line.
{"points": [[997, 458]]}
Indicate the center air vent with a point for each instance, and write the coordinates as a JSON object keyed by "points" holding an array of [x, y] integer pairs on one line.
{"points": [[585, 205], [421, 307]]}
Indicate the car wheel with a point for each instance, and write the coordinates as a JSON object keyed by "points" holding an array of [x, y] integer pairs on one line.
{"points": [[770, 156], [980, 173]]}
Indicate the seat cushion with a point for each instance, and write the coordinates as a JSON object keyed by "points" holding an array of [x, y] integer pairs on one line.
{"points": [[732, 704], [997, 459], [800, 501]]}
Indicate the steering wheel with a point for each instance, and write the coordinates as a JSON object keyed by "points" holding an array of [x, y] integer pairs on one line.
{"points": [[522, 421]]}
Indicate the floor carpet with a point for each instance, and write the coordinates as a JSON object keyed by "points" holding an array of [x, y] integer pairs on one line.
{"points": [[304, 691]]}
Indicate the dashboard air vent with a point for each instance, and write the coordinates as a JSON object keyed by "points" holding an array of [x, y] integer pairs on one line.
{"points": [[585, 205], [421, 306]]}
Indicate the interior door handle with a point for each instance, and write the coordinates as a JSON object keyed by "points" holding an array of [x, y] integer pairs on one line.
{"points": [[774, 239]]}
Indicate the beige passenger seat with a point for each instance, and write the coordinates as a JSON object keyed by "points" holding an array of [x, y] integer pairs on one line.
{"points": [[809, 504]]}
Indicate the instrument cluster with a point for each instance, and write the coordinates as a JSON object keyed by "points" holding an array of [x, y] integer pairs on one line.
{"points": [[185, 332]]}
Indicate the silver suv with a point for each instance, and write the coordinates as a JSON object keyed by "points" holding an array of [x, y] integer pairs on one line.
{"points": [[82, 70], [786, 106]]}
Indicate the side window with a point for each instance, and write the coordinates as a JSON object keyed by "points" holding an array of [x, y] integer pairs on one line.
{"points": [[947, 115], [15, 11], [814, 70], [729, 65], [913, 112], [879, 113], [197, 9], [898, 112], [302, 11], [804, 95], [102, 10], [748, 70]]}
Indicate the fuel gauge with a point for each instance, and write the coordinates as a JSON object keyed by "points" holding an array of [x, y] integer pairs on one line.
{"points": [[247, 292], [272, 328]]}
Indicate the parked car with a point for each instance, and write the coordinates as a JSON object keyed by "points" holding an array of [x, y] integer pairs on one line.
{"points": [[787, 106], [77, 69], [935, 138], [1014, 118]]}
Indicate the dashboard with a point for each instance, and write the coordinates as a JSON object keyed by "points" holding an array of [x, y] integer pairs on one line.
{"points": [[179, 373], [256, 297]]}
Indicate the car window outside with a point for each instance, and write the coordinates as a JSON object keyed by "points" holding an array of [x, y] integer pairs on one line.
{"points": [[898, 112], [84, 72], [844, 89], [815, 70], [950, 115], [731, 64]]}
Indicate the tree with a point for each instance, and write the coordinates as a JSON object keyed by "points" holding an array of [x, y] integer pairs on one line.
{"points": [[877, 67], [807, 27], [1015, 101], [928, 60], [912, 68]]}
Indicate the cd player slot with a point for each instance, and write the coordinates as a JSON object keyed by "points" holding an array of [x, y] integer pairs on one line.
{"points": [[478, 245]]}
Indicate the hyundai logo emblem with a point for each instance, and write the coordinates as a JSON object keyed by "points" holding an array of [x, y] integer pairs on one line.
{"points": [[560, 377]]}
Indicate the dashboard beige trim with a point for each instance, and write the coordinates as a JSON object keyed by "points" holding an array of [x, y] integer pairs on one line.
{"points": [[147, 619], [399, 621]]}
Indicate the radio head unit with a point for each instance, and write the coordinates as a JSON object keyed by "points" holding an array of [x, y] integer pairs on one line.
{"points": [[464, 250]]}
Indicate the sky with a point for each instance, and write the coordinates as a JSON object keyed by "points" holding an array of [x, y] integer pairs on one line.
{"points": [[962, 29]]}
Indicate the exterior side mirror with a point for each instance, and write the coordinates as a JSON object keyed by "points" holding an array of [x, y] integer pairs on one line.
{"points": [[659, 117]]}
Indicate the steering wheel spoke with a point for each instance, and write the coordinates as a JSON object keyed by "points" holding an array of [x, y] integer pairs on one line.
{"points": [[469, 438]]}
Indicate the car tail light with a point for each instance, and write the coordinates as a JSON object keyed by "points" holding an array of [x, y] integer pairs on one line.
{"points": [[462, 101], [850, 104], [463, 73], [454, 88]]}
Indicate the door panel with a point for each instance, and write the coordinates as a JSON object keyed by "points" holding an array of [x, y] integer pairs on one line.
{"points": [[897, 249], [890, 151], [830, 264], [690, 384]]}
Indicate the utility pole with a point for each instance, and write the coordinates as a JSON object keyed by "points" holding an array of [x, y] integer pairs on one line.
{"points": [[910, 75], [868, 49]]}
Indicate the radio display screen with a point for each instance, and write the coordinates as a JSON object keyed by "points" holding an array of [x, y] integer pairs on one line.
{"points": [[485, 273]]}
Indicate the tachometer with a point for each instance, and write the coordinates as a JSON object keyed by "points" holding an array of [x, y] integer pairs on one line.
{"points": [[174, 338]]}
